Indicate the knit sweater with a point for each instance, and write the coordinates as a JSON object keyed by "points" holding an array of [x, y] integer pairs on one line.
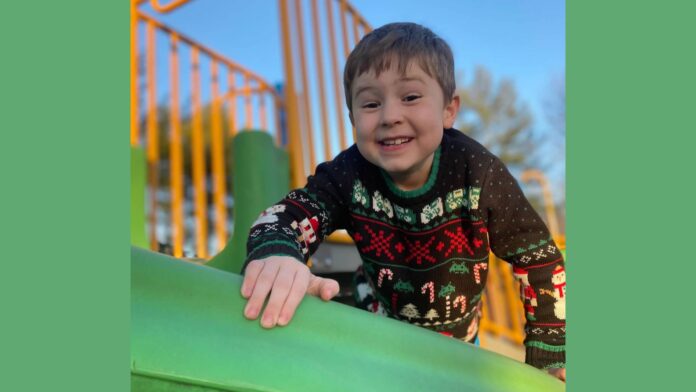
{"points": [[425, 252]]}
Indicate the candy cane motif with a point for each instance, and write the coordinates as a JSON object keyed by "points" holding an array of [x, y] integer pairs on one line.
{"points": [[447, 307], [382, 272], [461, 302], [477, 273], [430, 286]]}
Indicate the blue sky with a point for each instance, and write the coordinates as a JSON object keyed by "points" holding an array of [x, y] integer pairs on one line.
{"points": [[520, 41]]}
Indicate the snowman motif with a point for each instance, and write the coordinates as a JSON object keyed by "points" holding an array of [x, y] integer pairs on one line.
{"points": [[558, 278]]}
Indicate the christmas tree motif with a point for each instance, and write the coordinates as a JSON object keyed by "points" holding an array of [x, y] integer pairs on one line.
{"points": [[474, 195], [403, 287], [455, 199], [382, 272], [432, 314], [381, 203], [432, 210], [360, 194], [445, 292], [461, 302], [409, 311], [459, 268], [405, 214]]}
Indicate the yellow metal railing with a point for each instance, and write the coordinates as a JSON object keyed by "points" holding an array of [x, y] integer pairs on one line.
{"points": [[316, 120], [313, 96], [203, 147]]}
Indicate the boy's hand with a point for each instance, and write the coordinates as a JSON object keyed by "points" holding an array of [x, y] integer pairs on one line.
{"points": [[559, 373], [287, 280]]}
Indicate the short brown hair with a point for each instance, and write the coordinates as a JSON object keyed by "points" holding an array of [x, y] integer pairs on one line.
{"points": [[402, 42]]}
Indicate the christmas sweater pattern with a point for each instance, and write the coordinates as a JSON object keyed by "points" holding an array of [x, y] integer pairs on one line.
{"points": [[425, 252]]}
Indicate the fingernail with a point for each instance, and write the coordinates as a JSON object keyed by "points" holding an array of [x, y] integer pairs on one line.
{"points": [[282, 321], [250, 312], [267, 322]]}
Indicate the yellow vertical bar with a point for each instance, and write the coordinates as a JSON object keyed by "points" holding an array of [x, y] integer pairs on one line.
{"points": [[152, 134], [356, 33], [305, 87], [262, 111], [320, 75], [218, 158], [338, 98], [176, 156], [198, 160], [516, 315], [276, 117], [248, 113], [294, 140], [344, 28], [134, 132], [232, 102]]}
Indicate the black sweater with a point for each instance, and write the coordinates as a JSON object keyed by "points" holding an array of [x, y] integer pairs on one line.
{"points": [[425, 252]]}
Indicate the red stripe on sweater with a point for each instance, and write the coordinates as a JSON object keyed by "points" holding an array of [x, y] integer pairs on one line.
{"points": [[308, 215], [362, 218], [547, 264]]}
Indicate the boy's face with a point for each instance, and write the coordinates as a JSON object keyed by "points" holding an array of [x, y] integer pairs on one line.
{"points": [[399, 119]]}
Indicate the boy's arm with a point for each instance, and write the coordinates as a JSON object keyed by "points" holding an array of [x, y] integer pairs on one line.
{"points": [[280, 243], [518, 235]]}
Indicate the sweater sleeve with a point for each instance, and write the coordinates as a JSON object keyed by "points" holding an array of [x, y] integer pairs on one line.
{"points": [[519, 236], [297, 224]]}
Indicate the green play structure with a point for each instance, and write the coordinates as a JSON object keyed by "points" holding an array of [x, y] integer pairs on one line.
{"points": [[188, 334]]}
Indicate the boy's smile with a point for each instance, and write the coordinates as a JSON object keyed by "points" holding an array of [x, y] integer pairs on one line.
{"points": [[399, 120]]}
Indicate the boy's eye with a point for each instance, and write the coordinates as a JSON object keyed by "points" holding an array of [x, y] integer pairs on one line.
{"points": [[411, 97], [370, 105]]}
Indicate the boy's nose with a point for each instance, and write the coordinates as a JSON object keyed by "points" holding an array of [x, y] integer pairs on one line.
{"points": [[391, 114]]}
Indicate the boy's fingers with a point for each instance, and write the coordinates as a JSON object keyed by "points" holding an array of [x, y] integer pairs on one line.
{"points": [[297, 292], [263, 285], [250, 275], [279, 292], [323, 288]]}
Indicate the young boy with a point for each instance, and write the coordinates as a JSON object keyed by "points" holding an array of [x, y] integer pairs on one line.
{"points": [[424, 203]]}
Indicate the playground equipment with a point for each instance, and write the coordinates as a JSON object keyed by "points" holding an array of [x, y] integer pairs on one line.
{"points": [[188, 334], [188, 151]]}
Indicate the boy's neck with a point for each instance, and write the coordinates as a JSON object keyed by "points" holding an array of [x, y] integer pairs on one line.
{"points": [[414, 179]]}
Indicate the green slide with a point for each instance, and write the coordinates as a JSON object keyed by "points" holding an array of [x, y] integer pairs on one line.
{"points": [[188, 334]]}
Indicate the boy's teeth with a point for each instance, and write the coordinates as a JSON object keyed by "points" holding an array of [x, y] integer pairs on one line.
{"points": [[395, 141]]}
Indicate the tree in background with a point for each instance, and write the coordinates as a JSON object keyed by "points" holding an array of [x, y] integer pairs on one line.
{"points": [[554, 105], [492, 115]]}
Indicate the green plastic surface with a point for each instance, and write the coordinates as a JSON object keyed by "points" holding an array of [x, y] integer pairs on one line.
{"points": [[260, 176], [188, 334]]}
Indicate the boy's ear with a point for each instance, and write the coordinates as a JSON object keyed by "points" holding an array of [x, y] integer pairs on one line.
{"points": [[451, 111]]}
